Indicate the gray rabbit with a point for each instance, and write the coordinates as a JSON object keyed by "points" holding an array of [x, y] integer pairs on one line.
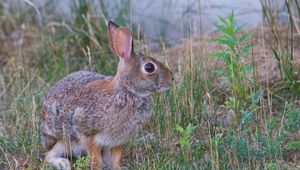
{"points": [[86, 112]]}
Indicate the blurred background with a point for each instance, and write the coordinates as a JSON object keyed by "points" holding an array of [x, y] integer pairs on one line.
{"points": [[169, 21], [235, 103]]}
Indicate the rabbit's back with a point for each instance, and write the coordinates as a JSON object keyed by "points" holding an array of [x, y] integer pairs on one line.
{"points": [[72, 82], [56, 112]]}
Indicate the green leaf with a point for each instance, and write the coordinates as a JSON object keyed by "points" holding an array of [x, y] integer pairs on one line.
{"points": [[219, 55], [248, 68], [293, 145], [230, 19], [223, 40], [239, 29], [245, 49], [217, 39], [183, 142], [227, 59], [179, 128], [245, 37], [223, 21], [246, 115], [219, 72], [222, 28], [255, 97], [190, 128]]}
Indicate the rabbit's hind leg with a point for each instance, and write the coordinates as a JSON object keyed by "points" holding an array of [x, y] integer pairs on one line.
{"points": [[54, 157], [116, 157], [116, 154], [94, 151]]}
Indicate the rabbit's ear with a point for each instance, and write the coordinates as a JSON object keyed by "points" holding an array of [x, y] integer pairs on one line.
{"points": [[123, 43], [112, 32]]}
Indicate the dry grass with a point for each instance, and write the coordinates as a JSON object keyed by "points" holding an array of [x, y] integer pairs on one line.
{"points": [[32, 58]]}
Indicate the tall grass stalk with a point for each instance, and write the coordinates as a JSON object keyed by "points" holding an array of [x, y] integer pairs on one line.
{"points": [[283, 49]]}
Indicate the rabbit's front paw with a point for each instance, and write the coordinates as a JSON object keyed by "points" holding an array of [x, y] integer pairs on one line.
{"points": [[62, 163], [117, 167]]}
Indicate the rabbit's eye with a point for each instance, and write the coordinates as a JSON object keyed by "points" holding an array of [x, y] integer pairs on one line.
{"points": [[149, 67]]}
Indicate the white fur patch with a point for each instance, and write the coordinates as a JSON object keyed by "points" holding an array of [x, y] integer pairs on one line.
{"points": [[54, 157], [163, 89], [109, 141], [103, 140], [79, 149]]}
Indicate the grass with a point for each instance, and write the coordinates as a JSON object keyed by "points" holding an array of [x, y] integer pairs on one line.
{"points": [[193, 125]]}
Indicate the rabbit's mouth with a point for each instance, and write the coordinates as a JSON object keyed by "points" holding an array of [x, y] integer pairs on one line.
{"points": [[163, 89], [164, 86]]}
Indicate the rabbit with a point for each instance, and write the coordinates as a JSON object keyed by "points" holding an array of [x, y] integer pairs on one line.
{"points": [[88, 113]]}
